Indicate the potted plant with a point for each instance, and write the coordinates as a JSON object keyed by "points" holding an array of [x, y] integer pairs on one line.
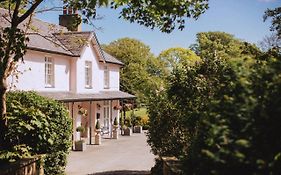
{"points": [[115, 128], [98, 133], [127, 128], [137, 124], [80, 145]]}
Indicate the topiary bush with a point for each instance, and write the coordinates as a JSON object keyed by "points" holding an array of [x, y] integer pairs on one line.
{"points": [[41, 124]]}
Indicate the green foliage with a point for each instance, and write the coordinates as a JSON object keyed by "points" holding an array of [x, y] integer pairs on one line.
{"points": [[275, 14], [218, 120], [98, 124], [136, 120], [80, 129], [128, 121], [164, 133], [17, 152], [43, 125], [166, 15], [176, 57], [161, 14], [158, 167], [140, 74], [222, 45]]}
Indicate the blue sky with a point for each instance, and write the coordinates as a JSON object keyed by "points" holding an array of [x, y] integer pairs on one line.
{"points": [[242, 18]]}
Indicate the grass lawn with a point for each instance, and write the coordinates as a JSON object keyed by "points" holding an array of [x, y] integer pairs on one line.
{"points": [[142, 112]]}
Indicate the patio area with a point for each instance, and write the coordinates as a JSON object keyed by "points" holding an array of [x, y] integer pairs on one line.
{"points": [[127, 155]]}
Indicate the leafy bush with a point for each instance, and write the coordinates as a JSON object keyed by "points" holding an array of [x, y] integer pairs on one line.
{"points": [[128, 121], [218, 120], [157, 169], [136, 120], [43, 125], [80, 129]]}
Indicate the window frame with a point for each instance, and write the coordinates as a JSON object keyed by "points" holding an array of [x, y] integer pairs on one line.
{"points": [[88, 75], [106, 79], [49, 72]]}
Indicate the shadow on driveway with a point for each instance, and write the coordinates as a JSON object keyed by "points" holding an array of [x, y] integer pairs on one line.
{"points": [[123, 172]]}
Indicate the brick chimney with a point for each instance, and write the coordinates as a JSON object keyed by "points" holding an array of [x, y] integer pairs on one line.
{"points": [[70, 19]]}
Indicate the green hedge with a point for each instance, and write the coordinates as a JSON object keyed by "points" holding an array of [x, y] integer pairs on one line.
{"points": [[43, 125]]}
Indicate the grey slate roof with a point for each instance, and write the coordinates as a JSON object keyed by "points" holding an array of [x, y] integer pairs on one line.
{"points": [[78, 97], [73, 41], [47, 37], [110, 59]]}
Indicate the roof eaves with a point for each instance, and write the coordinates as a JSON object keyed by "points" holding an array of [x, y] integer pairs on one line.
{"points": [[51, 51], [99, 48], [121, 64]]}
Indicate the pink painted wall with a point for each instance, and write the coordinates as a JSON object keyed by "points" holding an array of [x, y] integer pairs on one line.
{"points": [[34, 79]]}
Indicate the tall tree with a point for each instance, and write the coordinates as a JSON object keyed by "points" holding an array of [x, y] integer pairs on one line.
{"points": [[225, 46], [175, 57], [271, 42], [141, 72], [221, 44], [275, 15], [165, 15]]}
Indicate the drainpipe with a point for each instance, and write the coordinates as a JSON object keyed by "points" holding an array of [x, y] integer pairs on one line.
{"points": [[90, 121], [72, 116], [111, 119]]}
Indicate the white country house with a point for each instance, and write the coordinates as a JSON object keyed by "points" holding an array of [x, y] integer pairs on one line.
{"points": [[71, 67]]}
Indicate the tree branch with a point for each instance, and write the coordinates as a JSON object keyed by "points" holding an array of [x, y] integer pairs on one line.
{"points": [[15, 14], [29, 11], [49, 9]]}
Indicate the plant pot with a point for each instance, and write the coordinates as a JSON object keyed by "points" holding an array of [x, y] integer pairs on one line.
{"points": [[115, 132], [127, 132], [98, 137], [137, 129], [80, 145]]}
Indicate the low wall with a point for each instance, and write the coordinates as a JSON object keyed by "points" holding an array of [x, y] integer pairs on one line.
{"points": [[171, 166], [25, 166]]}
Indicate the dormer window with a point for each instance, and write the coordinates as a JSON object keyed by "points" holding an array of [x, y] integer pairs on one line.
{"points": [[106, 77], [88, 74], [49, 72]]}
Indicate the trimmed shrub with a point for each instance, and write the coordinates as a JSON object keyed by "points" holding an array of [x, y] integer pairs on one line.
{"points": [[98, 124], [43, 125]]}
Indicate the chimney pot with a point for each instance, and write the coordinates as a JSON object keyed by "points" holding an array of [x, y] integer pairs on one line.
{"points": [[70, 10], [64, 10]]}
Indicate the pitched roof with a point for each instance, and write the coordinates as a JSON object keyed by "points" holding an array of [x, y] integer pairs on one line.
{"points": [[78, 97], [39, 33], [54, 38], [110, 59], [73, 41]]}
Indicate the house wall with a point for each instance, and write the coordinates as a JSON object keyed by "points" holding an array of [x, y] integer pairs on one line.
{"points": [[114, 77], [32, 72], [89, 54]]}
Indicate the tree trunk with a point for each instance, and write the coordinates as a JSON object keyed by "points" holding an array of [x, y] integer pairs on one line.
{"points": [[3, 120]]}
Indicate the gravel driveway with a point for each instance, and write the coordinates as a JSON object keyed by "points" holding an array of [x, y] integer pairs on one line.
{"points": [[129, 155]]}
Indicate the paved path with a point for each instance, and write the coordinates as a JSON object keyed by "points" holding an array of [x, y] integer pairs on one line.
{"points": [[129, 153]]}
